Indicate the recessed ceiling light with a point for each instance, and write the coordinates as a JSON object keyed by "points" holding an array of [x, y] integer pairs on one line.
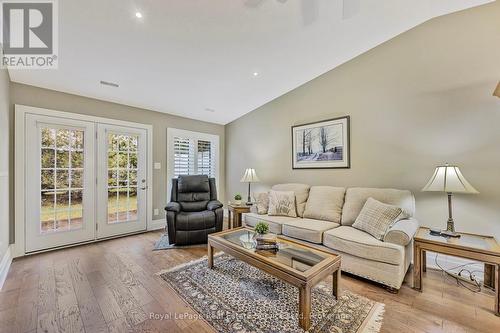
{"points": [[138, 14], [255, 74], [111, 84], [209, 110]]}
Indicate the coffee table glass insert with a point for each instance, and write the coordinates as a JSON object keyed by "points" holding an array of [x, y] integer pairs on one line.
{"points": [[294, 256]]}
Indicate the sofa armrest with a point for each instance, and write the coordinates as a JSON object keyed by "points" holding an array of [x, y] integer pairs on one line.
{"points": [[173, 207], [214, 204], [402, 232]]}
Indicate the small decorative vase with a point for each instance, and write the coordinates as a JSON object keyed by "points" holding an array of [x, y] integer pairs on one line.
{"points": [[237, 202]]}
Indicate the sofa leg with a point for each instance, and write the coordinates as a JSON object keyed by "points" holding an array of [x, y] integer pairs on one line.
{"points": [[392, 290]]}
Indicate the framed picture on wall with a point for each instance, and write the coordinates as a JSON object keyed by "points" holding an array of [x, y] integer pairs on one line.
{"points": [[322, 145]]}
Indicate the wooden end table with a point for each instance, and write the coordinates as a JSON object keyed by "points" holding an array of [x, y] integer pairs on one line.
{"points": [[469, 246], [234, 212], [297, 264]]}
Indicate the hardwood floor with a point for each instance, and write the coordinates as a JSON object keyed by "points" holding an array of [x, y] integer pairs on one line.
{"points": [[111, 286]]}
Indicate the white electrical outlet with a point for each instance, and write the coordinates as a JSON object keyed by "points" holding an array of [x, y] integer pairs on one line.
{"points": [[156, 211], [157, 165]]}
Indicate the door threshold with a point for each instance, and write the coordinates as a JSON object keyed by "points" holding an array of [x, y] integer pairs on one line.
{"points": [[85, 243]]}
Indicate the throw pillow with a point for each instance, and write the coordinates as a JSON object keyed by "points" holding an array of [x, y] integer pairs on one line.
{"points": [[325, 203], [301, 193], [376, 218], [261, 202], [282, 203]]}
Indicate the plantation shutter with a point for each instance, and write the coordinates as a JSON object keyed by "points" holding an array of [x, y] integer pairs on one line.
{"points": [[194, 157], [183, 157], [206, 158]]}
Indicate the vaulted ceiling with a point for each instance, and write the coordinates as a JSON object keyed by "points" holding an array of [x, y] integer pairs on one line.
{"points": [[216, 60]]}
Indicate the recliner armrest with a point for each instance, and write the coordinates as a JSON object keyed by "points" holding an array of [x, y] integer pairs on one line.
{"points": [[173, 207], [214, 204], [402, 232]]}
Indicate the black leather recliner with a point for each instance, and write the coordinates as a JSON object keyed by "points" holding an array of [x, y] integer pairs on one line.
{"points": [[193, 211]]}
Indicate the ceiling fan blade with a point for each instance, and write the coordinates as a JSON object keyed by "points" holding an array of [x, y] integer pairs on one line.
{"points": [[350, 8], [310, 11]]}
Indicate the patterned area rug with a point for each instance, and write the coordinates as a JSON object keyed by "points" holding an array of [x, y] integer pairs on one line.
{"points": [[237, 297]]}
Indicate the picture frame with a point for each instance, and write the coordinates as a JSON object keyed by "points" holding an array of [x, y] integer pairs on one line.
{"points": [[323, 144]]}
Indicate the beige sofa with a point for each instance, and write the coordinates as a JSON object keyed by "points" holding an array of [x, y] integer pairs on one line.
{"points": [[384, 261]]}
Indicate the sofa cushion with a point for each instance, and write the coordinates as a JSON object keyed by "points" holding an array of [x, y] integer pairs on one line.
{"points": [[188, 221], [356, 197], [301, 194], [377, 217], [282, 203], [307, 229], [325, 203], [275, 222], [261, 202], [360, 244]]}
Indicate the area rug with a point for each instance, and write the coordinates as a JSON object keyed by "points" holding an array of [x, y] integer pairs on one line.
{"points": [[163, 244], [237, 297]]}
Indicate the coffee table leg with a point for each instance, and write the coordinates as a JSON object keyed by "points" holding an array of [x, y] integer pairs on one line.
{"points": [[305, 307], [336, 283], [210, 255]]}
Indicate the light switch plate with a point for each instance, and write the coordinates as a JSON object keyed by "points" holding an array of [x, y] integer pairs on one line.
{"points": [[156, 211], [157, 165]]}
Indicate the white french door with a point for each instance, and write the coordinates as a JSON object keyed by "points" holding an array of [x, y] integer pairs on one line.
{"points": [[60, 182], [83, 180], [121, 183]]}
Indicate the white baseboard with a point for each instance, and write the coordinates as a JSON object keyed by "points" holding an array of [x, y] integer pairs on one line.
{"points": [[450, 263], [5, 265], [157, 224]]}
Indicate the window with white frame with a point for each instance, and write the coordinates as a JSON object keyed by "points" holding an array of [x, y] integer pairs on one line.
{"points": [[192, 153]]}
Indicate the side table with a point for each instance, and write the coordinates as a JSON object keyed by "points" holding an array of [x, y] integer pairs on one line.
{"points": [[469, 246], [234, 212]]}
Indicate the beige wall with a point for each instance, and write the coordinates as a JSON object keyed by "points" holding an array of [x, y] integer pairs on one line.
{"points": [[49, 99], [5, 119], [417, 101]]}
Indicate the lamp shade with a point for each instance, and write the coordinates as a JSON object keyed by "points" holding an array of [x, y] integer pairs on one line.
{"points": [[250, 176], [497, 91], [449, 179]]}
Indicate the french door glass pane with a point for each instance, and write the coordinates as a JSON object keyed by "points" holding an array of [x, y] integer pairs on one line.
{"points": [[61, 179], [122, 178]]}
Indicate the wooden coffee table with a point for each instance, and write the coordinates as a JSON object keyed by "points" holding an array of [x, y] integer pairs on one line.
{"points": [[296, 264]]}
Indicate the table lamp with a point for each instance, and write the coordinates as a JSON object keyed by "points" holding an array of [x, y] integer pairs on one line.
{"points": [[249, 177], [449, 179]]}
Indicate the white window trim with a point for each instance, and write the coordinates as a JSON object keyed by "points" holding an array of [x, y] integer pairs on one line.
{"points": [[173, 132], [19, 158]]}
